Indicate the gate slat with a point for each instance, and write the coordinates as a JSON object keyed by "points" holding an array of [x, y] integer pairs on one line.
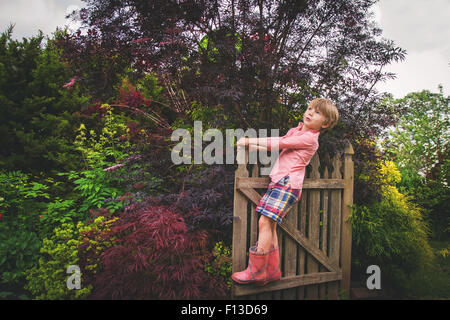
{"points": [[346, 241], [253, 213], [312, 293], [324, 233], [290, 254], [335, 226], [239, 252], [302, 250]]}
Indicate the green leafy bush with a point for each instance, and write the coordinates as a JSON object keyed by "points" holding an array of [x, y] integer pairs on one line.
{"points": [[21, 204], [48, 280], [94, 238], [94, 186], [418, 144], [220, 265], [103, 144], [57, 213], [96, 190], [68, 243], [391, 233], [18, 251]]}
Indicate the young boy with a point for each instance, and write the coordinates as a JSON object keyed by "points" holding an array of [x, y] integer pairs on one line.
{"points": [[298, 147]]}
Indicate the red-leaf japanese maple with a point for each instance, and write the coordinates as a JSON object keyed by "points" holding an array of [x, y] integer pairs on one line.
{"points": [[156, 257]]}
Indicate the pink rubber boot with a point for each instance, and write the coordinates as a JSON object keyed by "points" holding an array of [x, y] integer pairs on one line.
{"points": [[273, 265], [256, 271]]}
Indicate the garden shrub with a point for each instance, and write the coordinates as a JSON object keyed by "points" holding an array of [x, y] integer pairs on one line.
{"points": [[155, 257], [102, 145], [19, 250], [220, 265], [95, 188], [56, 213], [95, 237], [391, 233], [79, 245], [100, 151], [48, 280], [22, 201], [210, 191]]}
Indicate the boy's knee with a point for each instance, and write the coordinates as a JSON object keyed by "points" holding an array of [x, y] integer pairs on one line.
{"points": [[265, 223]]}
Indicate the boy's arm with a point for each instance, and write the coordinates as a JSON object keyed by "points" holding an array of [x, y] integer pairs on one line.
{"points": [[245, 142], [253, 147], [262, 142], [305, 141]]}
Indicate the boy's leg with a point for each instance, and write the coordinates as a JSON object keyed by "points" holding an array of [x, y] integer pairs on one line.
{"points": [[274, 235], [267, 229], [264, 262]]}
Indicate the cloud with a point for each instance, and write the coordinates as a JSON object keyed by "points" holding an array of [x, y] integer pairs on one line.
{"points": [[31, 16], [421, 28], [421, 70], [417, 25]]}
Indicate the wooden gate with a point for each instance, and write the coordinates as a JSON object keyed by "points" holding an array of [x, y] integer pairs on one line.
{"points": [[314, 238]]}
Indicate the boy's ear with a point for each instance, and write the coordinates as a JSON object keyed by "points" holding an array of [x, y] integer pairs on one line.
{"points": [[326, 125]]}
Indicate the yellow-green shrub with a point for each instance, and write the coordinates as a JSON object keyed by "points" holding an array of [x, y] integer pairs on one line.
{"points": [[220, 265], [391, 233], [93, 240], [49, 279]]}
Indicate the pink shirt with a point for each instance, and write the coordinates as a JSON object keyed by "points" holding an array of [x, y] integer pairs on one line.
{"points": [[298, 147]]}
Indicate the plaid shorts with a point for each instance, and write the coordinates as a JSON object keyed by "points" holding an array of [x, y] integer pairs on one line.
{"points": [[278, 199]]}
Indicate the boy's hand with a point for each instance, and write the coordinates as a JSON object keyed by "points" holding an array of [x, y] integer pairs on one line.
{"points": [[242, 142]]}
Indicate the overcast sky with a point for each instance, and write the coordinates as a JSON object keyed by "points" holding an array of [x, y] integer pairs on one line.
{"points": [[422, 28]]}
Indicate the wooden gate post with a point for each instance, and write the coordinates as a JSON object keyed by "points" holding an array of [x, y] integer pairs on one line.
{"points": [[239, 255], [346, 242]]}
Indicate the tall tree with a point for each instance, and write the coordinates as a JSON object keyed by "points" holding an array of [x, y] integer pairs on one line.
{"points": [[37, 124], [419, 145], [257, 61], [420, 141]]}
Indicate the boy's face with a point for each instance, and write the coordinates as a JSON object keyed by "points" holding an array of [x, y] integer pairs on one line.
{"points": [[314, 119]]}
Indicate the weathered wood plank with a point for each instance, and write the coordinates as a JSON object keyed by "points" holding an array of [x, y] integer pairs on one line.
{"points": [[312, 292], [277, 294], [324, 234], [254, 230], [257, 183], [346, 233], [290, 254], [253, 213], [289, 282], [251, 194], [335, 226], [301, 250], [263, 182], [239, 241]]}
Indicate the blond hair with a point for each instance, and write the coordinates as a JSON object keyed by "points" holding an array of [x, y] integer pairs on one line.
{"points": [[328, 109]]}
